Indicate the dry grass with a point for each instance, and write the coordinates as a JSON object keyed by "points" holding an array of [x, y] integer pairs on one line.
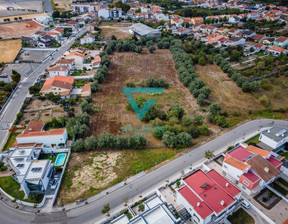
{"points": [[115, 24], [225, 91], [63, 6], [9, 50], [133, 67], [19, 29], [109, 32]]}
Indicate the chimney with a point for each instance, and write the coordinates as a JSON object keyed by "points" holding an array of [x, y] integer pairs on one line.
{"points": [[198, 204], [227, 184], [268, 131], [266, 169], [222, 202]]}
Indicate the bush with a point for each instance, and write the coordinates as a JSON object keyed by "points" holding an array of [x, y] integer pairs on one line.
{"points": [[221, 121], [78, 146], [203, 130], [169, 138], [186, 120], [184, 139], [86, 107], [90, 143], [141, 207], [107, 140], [193, 131], [198, 119]]}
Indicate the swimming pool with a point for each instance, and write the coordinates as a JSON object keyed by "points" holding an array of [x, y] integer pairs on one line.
{"points": [[60, 159]]}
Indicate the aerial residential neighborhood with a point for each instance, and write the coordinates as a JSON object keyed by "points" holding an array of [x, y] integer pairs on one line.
{"points": [[148, 111]]}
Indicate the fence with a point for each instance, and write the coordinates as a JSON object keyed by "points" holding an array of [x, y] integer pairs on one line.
{"points": [[267, 75]]}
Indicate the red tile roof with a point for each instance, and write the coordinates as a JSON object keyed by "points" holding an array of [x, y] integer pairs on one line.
{"points": [[75, 54], [236, 163], [256, 150], [86, 87], [203, 209], [240, 154], [251, 176], [230, 189], [65, 61], [58, 81], [212, 193], [59, 131], [276, 48], [58, 68], [275, 162], [34, 126], [281, 39]]}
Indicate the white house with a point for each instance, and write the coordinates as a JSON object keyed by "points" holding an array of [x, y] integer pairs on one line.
{"points": [[110, 13], [88, 39], [281, 42], [66, 62], [276, 138], [58, 70], [208, 197], [51, 138]]}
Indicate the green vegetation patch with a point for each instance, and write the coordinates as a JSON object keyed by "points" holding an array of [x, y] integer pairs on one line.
{"points": [[255, 140], [240, 217], [10, 141]]}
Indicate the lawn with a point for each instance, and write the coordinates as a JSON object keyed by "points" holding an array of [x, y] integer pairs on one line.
{"points": [[255, 140], [240, 217], [10, 141], [79, 83], [285, 154], [77, 73], [279, 188], [13, 189]]}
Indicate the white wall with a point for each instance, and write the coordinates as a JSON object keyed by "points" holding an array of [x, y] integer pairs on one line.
{"points": [[234, 172], [104, 13]]}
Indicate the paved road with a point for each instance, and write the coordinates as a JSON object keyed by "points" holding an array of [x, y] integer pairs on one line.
{"points": [[14, 106], [48, 7], [91, 213]]}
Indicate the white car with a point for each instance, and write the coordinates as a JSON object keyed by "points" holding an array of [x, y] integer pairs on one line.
{"points": [[245, 204]]}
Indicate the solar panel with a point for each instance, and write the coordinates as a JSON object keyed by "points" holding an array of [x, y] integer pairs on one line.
{"points": [[36, 169], [20, 165]]}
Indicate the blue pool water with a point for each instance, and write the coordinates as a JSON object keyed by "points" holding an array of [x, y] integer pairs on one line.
{"points": [[60, 159]]}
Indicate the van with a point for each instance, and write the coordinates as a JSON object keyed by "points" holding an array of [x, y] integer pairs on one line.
{"points": [[4, 75]]}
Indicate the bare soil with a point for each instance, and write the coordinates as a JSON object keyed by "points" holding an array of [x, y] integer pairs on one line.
{"points": [[63, 6], [133, 67], [119, 34], [19, 29], [9, 50], [42, 111], [225, 91]]}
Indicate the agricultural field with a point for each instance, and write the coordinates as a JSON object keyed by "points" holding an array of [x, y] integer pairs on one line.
{"points": [[132, 67], [19, 29], [28, 16], [9, 50]]}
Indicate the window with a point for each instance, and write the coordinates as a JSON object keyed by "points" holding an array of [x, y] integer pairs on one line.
{"points": [[197, 219], [244, 187], [246, 183]]}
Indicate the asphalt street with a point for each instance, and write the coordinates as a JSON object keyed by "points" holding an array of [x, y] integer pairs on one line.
{"points": [[48, 7], [91, 213]]}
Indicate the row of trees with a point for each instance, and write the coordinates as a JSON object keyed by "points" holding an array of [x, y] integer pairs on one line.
{"points": [[236, 76], [110, 141], [187, 74]]}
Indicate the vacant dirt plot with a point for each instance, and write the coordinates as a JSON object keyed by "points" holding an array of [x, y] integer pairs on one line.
{"points": [[109, 32], [28, 16], [19, 29], [225, 91], [42, 111], [88, 175], [63, 6], [133, 67], [115, 24], [9, 50]]}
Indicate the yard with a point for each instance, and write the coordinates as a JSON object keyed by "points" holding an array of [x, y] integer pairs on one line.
{"points": [[255, 140], [9, 49], [285, 154], [240, 217], [10, 141], [90, 173], [13, 189]]}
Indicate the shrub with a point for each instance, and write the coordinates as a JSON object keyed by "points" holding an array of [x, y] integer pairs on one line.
{"points": [[184, 139], [90, 143], [203, 130], [78, 145], [186, 120], [198, 119], [169, 138], [193, 131]]}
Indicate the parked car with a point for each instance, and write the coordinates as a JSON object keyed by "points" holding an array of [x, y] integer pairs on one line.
{"points": [[4, 75], [245, 204]]}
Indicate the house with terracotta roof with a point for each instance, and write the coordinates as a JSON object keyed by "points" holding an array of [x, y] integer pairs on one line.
{"points": [[252, 168], [96, 62], [59, 85], [208, 197], [58, 70], [78, 58], [275, 50], [87, 39], [86, 90], [281, 42], [66, 62], [195, 20]]}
